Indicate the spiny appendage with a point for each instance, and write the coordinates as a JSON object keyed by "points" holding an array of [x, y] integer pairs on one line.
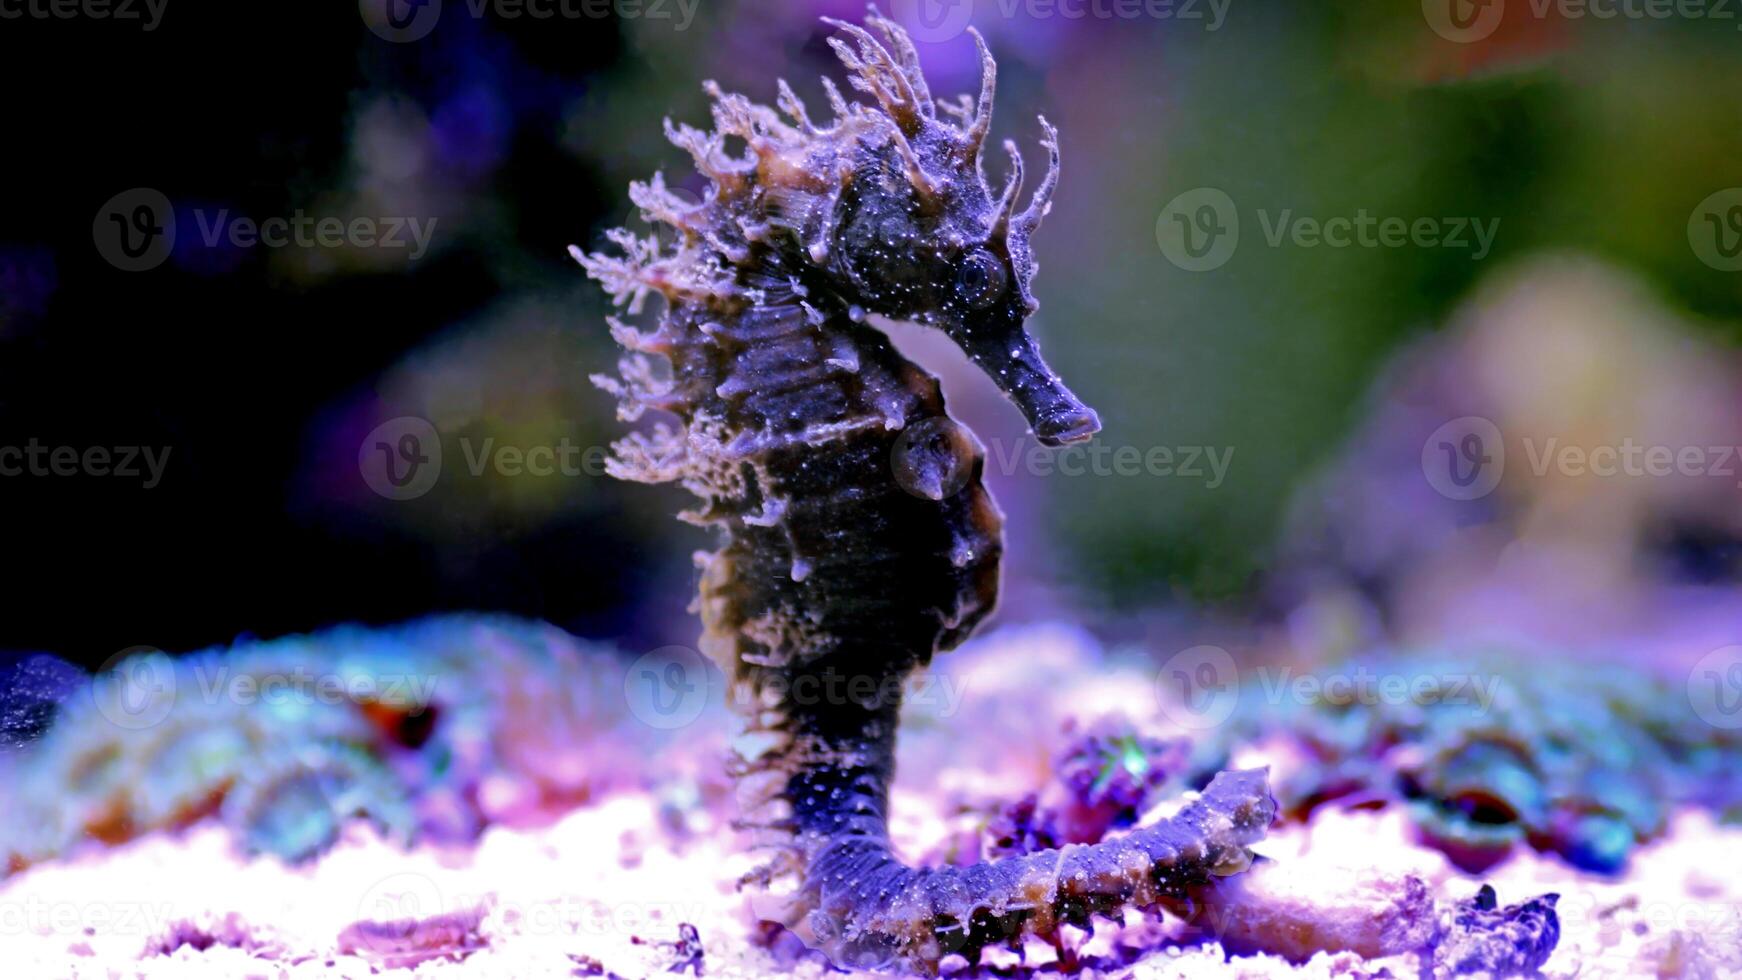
{"points": [[789, 411], [863, 907], [787, 193]]}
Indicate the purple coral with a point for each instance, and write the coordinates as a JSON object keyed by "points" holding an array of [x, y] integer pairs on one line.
{"points": [[1481, 937], [1114, 772], [435, 728], [1021, 828]]}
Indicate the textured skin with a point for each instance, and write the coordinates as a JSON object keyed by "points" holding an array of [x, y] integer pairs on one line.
{"points": [[856, 539]]}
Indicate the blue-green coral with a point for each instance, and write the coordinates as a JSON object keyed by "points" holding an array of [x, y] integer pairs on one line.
{"points": [[1492, 750], [428, 729]]}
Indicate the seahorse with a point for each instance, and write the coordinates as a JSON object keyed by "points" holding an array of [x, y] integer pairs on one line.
{"points": [[856, 539]]}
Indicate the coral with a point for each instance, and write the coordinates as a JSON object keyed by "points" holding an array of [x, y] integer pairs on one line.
{"points": [[1107, 776], [1578, 759], [408, 942], [1114, 773], [1480, 937], [293, 802], [1022, 828], [856, 539], [686, 950], [430, 729]]}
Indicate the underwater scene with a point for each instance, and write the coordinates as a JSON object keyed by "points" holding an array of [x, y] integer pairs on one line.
{"points": [[969, 488]]}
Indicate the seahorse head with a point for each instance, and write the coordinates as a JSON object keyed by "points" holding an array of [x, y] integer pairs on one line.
{"points": [[888, 206], [919, 235]]}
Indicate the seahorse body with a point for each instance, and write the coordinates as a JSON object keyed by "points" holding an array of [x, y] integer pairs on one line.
{"points": [[856, 537]]}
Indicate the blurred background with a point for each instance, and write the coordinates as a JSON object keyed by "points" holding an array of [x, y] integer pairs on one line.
{"points": [[1290, 248]]}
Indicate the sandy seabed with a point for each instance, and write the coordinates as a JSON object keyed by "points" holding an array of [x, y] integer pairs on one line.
{"points": [[614, 887], [604, 890]]}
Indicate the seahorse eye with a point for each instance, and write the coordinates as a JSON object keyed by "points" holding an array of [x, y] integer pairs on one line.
{"points": [[980, 279]]}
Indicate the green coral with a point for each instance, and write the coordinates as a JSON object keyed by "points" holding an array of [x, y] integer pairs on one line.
{"points": [[1492, 750], [287, 740]]}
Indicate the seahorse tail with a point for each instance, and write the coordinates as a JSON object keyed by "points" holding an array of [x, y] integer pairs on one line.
{"points": [[863, 907]]}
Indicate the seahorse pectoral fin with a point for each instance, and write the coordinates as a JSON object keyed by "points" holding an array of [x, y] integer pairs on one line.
{"points": [[1011, 358]]}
